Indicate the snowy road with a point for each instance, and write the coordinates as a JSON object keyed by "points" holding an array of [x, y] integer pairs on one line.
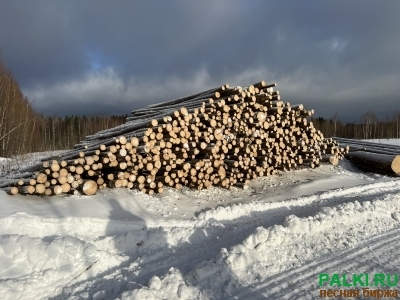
{"points": [[269, 242]]}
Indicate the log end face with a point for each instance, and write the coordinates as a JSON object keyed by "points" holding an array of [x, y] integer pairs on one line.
{"points": [[89, 187], [57, 190], [12, 191], [334, 160], [396, 165]]}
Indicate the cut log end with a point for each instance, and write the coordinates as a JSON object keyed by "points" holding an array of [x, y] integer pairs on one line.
{"points": [[12, 190], [396, 165], [89, 187]]}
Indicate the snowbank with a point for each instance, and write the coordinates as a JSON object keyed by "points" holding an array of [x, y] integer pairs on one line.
{"points": [[273, 250]]}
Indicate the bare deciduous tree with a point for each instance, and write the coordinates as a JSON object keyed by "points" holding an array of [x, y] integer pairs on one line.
{"points": [[23, 130], [370, 122]]}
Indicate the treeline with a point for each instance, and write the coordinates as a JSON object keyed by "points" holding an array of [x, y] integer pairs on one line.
{"points": [[63, 133], [369, 127], [22, 130]]}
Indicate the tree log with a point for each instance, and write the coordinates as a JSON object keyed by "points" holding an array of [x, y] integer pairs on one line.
{"points": [[89, 187], [380, 163]]}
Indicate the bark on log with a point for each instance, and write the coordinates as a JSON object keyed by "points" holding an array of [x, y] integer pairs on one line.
{"points": [[367, 144], [380, 163]]}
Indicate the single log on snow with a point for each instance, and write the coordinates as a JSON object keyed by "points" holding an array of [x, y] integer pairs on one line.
{"points": [[380, 163]]}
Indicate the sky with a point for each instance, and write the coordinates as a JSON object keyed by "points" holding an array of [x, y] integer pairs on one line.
{"points": [[111, 57]]}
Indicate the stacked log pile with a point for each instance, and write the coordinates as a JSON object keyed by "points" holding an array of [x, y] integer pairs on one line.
{"points": [[373, 157], [223, 137]]}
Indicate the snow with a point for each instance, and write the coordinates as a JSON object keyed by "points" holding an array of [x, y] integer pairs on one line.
{"points": [[395, 142], [270, 241]]}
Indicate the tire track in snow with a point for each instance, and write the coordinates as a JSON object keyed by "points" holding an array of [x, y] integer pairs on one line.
{"points": [[244, 220], [343, 262]]}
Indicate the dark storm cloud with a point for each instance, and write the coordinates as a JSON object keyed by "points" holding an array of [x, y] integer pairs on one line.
{"points": [[111, 57]]}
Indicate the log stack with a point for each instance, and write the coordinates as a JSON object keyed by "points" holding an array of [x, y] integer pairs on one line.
{"points": [[373, 157], [223, 137]]}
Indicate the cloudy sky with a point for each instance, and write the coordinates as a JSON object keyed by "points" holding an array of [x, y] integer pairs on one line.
{"points": [[92, 57]]}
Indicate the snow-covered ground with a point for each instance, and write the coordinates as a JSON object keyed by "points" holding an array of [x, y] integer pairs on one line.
{"points": [[386, 141], [268, 242]]}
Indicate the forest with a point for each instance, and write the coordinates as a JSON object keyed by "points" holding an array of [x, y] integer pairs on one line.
{"points": [[23, 130], [369, 127]]}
